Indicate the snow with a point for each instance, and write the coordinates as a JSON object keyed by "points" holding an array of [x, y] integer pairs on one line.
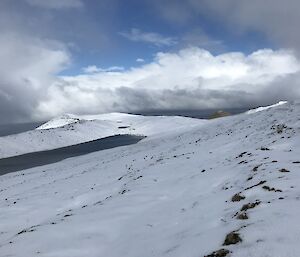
{"points": [[61, 121], [259, 109], [168, 195], [70, 129]]}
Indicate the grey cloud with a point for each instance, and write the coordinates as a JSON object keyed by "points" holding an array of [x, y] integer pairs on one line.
{"points": [[284, 88], [277, 19], [10, 109], [125, 99], [80, 28], [26, 69], [134, 100]]}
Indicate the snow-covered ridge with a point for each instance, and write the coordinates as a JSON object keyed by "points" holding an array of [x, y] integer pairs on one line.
{"points": [[263, 108], [61, 121], [68, 119], [73, 129], [231, 184]]}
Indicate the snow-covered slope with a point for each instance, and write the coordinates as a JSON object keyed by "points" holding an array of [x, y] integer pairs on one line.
{"points": [[70, 129], [234, 180], [263, 108], [64, 120]]}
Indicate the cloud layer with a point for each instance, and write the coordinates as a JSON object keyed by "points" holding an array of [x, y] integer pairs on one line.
{"points": [[95, 69], [189, 79], [148, 37], [276, 20], [35, 37]]}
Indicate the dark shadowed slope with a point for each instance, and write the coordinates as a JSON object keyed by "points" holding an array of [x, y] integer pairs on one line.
{"points": [[31, 160]]}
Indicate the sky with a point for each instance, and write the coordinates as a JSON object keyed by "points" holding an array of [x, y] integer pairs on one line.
{"points": [[97, 56]]}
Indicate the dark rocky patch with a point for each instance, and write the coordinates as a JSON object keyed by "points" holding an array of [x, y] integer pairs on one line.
{"points": [[99, 202], [237, 197], [264, 149], [31, 229], [123, 192], [279, 128], [232, 238], [256, 167], [284, 170], [242, 216], [123, 127], [271, 189], [241, 155], [247, 206], [258, 184], [219, 253], [25, 231]]}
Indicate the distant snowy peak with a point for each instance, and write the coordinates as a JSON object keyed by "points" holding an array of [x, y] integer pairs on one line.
{"points": [[259, 109], [71, 129], [60, 121], [68, 119], [114, 118]]}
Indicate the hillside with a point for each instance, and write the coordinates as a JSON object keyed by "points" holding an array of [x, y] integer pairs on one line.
{"points": [[74, 129], [231, 183]]}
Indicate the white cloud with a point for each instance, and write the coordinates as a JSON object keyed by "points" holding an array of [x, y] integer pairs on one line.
{"points": [[95, 69], [191, 78], [148, 37], [56, 4], [140, 60], [27, 68]]}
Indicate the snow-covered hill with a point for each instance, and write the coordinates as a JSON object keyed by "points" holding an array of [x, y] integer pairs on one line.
{"points": [[70, 129], [231, 184]]}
